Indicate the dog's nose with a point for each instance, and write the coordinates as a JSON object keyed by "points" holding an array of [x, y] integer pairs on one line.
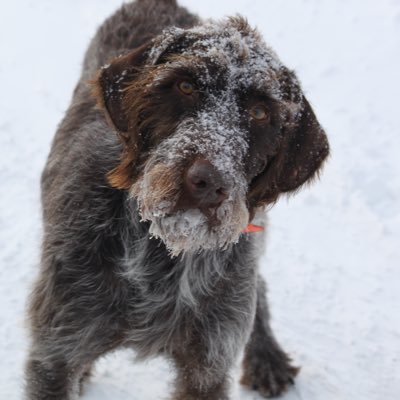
{"points": [[205, 184]]}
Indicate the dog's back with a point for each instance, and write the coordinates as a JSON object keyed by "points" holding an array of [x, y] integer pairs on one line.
{"points": [[131, 26]]}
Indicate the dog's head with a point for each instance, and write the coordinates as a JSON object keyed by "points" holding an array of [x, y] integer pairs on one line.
{"points": [[213, 127]]}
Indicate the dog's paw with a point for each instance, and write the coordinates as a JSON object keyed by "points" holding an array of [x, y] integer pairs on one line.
{"points": [[271, 376]]}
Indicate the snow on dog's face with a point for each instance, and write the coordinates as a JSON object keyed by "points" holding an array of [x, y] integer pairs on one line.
{"points": [[213, 126]]}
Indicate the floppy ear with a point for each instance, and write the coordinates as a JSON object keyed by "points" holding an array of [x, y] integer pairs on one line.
{"points": [[111, 82], [304, 148], [308, 148], [111, 94]]}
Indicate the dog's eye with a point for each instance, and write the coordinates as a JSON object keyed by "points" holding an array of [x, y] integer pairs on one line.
{"points": [[186, 87], [260, 113]]}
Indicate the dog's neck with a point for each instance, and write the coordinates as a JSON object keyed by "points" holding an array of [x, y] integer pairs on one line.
{"points": [[148, 265]]}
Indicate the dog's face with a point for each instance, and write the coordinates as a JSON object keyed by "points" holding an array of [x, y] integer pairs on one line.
{"points": [[213, 126]]}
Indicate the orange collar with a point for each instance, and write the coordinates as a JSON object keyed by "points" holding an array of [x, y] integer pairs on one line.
{"points": [[252, 228]]}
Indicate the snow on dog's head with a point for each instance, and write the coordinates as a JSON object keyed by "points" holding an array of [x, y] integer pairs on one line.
{"points": [[213, 125]]}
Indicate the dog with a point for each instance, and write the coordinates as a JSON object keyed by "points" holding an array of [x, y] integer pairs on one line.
{"points": [[179, 134]]}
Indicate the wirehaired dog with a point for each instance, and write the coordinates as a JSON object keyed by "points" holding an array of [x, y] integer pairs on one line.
{"points": [[186, 132]]}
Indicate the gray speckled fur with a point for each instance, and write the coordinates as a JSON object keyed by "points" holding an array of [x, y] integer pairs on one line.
{"points": [[104, 283]]}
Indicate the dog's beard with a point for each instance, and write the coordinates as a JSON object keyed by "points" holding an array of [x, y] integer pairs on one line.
{"points": [[186, 231], [191, 231]]}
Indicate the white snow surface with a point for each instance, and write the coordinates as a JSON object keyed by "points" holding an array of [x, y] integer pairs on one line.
{"points": [[333, 253]]}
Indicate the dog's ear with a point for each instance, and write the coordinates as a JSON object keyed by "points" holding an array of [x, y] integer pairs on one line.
{"points": [[308, 148], [301, 155], [111, 94], [111, 82]]}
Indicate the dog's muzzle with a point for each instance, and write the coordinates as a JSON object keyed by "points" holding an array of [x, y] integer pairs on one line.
{"points": [[203, 187]]}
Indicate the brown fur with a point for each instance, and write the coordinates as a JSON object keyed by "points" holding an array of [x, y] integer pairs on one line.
{"points": [[177, 284]]}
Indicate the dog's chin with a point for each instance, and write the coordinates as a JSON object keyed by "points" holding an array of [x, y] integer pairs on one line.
{"points": [[190, 231]]}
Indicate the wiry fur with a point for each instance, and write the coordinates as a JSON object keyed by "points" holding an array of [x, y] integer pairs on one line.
{"points": [[105, 280]]}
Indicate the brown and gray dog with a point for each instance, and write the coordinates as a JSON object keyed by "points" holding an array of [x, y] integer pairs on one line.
{"points": [[186, 132]]}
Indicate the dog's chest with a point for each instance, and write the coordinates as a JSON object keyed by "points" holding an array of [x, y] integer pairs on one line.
{"points": [[176, 303]]}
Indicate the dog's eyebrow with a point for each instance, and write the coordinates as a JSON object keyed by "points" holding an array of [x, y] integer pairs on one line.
{"points": [[185, 65], [185, 60], [262, 93]]}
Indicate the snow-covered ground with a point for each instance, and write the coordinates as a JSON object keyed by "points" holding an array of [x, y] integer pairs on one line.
{"points": [[333, 260]]}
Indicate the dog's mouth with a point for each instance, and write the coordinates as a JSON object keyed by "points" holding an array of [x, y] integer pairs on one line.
{"points": [[209, 215], [187, 229], [210, 211]]}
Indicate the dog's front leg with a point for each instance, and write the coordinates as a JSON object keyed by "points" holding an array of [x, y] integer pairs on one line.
{"points": [[51, 379], [198, 376], [267, 368]]}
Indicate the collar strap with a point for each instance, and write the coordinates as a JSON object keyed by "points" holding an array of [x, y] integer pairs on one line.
{"points": [[250, 228]]}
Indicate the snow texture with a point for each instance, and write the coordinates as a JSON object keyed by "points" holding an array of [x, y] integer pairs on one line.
{"points": [[333, 254]]}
